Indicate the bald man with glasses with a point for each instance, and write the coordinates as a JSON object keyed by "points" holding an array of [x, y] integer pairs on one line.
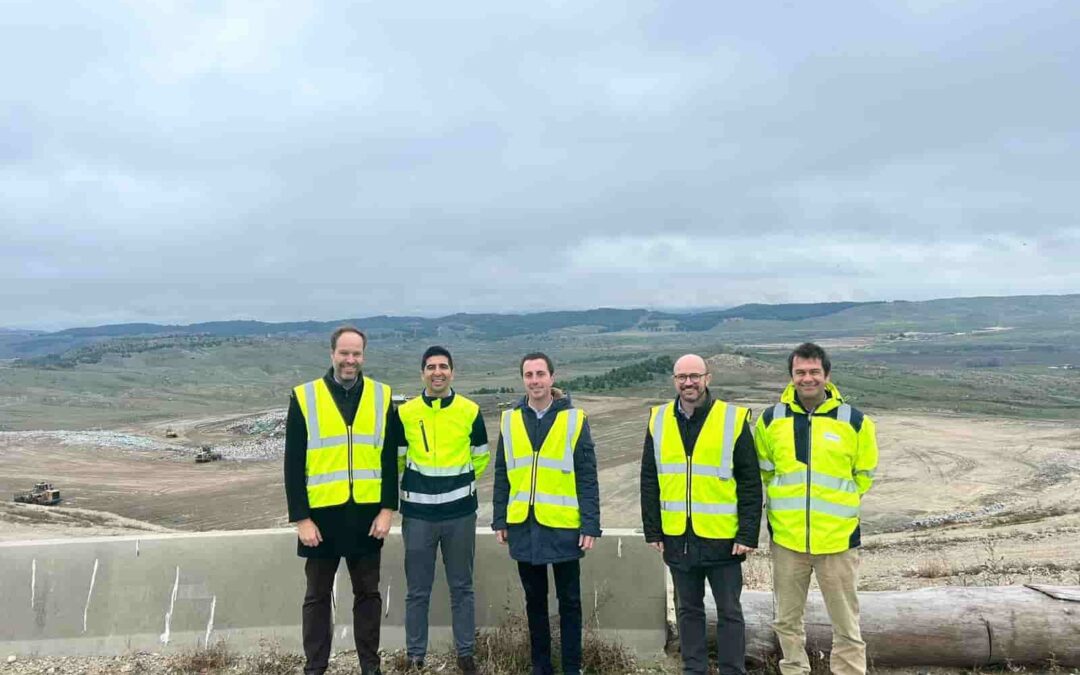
{"points": [[701, 509]]}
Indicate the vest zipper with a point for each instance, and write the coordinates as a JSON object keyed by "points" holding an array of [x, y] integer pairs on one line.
{"points": [[689, 487], [348, 435], [809, 447], [536, 461]]}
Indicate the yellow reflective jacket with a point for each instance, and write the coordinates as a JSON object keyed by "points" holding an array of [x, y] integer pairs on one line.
{"points": [[815, 468], [342, 460], [700, 486], [542, 478], [439, 448]]}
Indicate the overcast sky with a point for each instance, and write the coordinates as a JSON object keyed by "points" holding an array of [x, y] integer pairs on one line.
{"points": [[185, 161]]}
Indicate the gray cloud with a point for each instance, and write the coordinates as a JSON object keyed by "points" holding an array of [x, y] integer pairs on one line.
{"points": [[172, 162]]}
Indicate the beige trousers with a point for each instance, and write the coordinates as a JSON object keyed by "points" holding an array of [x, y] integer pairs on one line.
{"points": [[837, 576]]}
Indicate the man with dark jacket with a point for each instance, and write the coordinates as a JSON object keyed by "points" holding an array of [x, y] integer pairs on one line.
{"points": [[701, 508], [341, 443], [546, 505]]}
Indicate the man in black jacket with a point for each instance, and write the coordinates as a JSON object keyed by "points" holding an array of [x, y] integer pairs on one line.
{"points": [[525, 515], [342, 498], [701, 508]]}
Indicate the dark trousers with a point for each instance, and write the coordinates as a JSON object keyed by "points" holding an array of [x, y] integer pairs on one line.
{"points": [[726, 583], [534, 579], [367, 610], [457, 539]]}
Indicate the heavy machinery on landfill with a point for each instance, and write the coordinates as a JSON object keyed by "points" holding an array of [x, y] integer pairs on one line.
{"points": [[43, 493], [206, 454]]}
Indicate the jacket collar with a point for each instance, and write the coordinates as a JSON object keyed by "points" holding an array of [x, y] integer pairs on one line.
{"points": [[699, 412], [335, 387], [560, 401], [833, 399], [445, 401]]}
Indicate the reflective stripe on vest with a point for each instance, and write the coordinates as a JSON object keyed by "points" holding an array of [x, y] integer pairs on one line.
{"points": [[440, 498], [543, 478], [707, 495], [339, 462]]}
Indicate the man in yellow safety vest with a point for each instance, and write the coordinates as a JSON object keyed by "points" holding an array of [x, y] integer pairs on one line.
{"points": [[546, 505], [444, 454], [701, 508], [341, 443], [817, 456]]}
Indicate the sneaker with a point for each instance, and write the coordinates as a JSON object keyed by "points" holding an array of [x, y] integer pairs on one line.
{"points": [[415, 665], [467, 665]]}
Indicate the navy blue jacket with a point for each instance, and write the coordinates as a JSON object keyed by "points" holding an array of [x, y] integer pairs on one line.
{"points": [[533, 543]]}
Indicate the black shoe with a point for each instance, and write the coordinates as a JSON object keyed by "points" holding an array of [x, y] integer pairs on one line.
{"points": [[415, 665], [371, 670], [467, 665]]}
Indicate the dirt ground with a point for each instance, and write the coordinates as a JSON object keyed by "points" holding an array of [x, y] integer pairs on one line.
{"points": [[958, 500]]}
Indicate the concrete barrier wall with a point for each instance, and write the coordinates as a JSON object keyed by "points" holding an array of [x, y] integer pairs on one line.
{"points": [[112, 595]]}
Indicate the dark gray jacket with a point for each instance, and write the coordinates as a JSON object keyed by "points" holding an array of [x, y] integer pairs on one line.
{"points": [[531, 542]]}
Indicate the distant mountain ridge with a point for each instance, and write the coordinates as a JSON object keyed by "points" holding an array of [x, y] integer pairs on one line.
{"points": [[1062, 311], [488, 325], [480, 326]]}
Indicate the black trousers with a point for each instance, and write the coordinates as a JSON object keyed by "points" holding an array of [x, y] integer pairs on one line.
{"points": [[367, 610], [534, 579], [726, 583]]}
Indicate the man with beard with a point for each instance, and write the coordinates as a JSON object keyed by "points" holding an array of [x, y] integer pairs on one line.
{"points": [[701, 509], [341, 444]]}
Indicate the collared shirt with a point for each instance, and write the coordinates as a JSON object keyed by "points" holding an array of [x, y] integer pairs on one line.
{"points": [[540, 413]]}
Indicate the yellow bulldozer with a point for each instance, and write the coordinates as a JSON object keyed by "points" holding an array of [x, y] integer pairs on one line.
{"points": [[43, 493]]}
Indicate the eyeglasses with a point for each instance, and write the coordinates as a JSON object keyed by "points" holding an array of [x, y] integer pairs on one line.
{"points": [[692, 378]]}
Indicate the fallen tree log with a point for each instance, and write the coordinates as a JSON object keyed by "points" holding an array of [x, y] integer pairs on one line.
{"points": [[967, 627]]}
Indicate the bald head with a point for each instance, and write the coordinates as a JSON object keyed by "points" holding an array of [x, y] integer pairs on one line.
{"points": [[691, 377], [690, 363]]}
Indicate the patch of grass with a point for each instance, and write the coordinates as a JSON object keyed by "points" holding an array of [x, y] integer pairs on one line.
{"points": [[605, 656], [204, 660], [932, 568], [505, 648], [271, 660]]}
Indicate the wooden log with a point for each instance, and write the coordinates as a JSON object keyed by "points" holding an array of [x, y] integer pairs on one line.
{"points": [[966, 627]]}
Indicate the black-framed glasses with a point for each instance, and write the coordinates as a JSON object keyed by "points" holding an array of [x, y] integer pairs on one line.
{"points": [[692, 378]]}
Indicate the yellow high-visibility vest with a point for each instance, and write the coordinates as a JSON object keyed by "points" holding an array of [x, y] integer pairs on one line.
{"points": [[699, 487], [542, 478], [439, 444], [813, 506], [342, 459]]}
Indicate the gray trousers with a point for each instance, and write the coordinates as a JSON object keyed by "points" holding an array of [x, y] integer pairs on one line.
{"points": [[457, 537]]}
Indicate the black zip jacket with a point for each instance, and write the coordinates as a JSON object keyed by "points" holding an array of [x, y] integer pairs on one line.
{"points": [[344, 528], [690, 550]]}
